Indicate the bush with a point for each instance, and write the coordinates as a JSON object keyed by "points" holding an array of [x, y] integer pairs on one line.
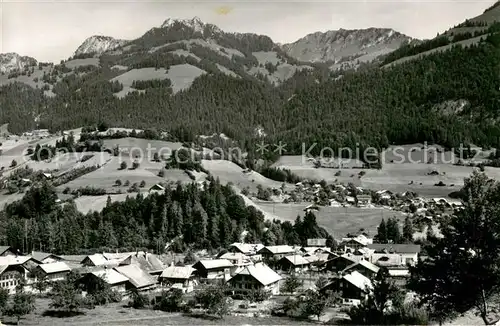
{"points": [[257, 295], [13, 164], [138, 301], [118, 183], [66, 190], [440, 184], [161, 174], [170, 301], [142, 184], [123, 165], [127, 183], [135, 165]]}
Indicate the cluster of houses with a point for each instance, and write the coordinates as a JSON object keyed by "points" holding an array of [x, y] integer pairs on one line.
{"points": [[243, 267]]}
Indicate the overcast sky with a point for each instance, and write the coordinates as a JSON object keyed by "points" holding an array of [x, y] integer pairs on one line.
{"points": [[52, 30]]}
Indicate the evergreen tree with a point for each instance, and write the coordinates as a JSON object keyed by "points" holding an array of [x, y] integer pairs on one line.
{"points": [[463, 265], [382, 235], [408, 230]]}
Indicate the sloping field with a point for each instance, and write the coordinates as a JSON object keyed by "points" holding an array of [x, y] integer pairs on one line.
{"points": [[418, 153], [304, 168], [210, 44], [184, 53], [86, 204], [336, 220], [227, 71], [130, 76], [470, 41], [397, 177], [227, 171], [37, 74], [283, 71], [69, 161], [7, 199], [72, 64], [141, 147], [182, 76]]}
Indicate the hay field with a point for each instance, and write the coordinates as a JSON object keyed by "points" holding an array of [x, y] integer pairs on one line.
{"points": [[182, 76], [138, 146], [69, 161], [229, 172], [72, 64], [86, 204], [336, 220], [106, 176]]}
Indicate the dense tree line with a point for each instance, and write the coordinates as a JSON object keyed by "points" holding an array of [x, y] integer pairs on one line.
{"points": [[371, 107], [182, 217]]}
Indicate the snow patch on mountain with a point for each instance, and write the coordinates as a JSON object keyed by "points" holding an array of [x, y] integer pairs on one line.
{"points": [[10, 62], [99, 44]]}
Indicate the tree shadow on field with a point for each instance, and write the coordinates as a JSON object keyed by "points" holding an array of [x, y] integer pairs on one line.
{"points": [[61, 314]]}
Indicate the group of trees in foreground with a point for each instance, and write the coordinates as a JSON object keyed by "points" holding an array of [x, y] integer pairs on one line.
{"points": [[180, 218]]}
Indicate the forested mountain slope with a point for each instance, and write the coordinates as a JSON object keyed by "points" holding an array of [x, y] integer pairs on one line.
{"points": [[127, 87]]}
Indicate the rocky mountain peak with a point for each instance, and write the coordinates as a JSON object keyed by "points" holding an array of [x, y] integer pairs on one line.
{"points": [[195, 23], [98, 44], [10, 62], [338, 45]]}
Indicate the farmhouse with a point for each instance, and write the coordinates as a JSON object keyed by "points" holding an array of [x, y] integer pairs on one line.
{"points": [[181, 277], [13, 269], [44, 257], [157, 188], [104, 259], [248, 249], [387, 254], [364, 267], [255, 277], [7, 251], [115, 280], [364, 200], [214, 268], [357, 242], [54, 271], [352, 287], [294, 263], [138, 279], [275, 252], [146, 261], [237, 259], [338, 264]]}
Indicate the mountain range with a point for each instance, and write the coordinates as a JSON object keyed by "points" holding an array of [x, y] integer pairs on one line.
{"points": [[189, 78]]}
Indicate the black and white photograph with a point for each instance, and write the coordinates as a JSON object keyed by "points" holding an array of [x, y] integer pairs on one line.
{"points": [[249, 162]]}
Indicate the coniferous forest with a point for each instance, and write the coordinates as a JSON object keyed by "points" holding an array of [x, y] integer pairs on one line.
{"points": [[375, 106], [182, 218]]}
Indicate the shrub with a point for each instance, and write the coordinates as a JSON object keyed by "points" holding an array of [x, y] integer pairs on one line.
{"points": [[142, 184], [127, 183], [138, 301], [123, 165], [66, 190], [161, 173], [118, 183], [135, 165], [13, 164], [170, 301]]}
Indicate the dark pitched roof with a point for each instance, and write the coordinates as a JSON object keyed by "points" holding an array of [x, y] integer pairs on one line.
{"points": [[395, 248], [4, 249]]}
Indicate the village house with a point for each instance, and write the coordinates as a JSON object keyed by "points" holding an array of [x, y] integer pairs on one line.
{"points": [[237, 259], [112, 278], [139, 279], [180, 277], [276, 252], [104, 259], [248, 249], [157, 188], [214, 269], [338, 264], [54, 271], [255, 277], [13, 269], [146, 261], [45, 257], [364, 267], [394, 254], [384, 194], [353, 287], [294, 263], [364, 200], [355, 243], [7, 251]]}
